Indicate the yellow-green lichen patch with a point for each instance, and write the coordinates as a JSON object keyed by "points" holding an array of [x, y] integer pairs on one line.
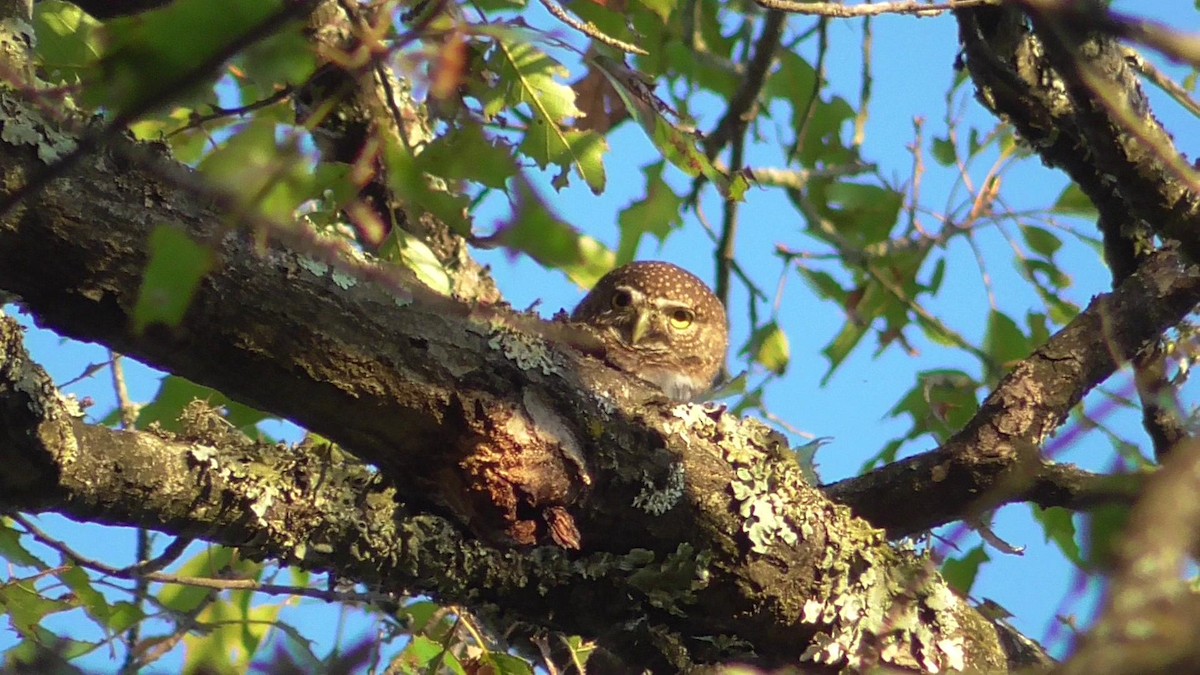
{"points": [[898, 605], [527, 351]]}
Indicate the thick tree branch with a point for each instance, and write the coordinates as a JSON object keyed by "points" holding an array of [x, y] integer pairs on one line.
{"points": [[1075, 98], [688, 521], [995, 459]]}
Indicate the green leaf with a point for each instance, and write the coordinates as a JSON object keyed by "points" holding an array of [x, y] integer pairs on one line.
{"points": [[769, 347], [151, 55], [1073, 202], [960, 572], [12, 550], [1039, 332], [1059, 527], [507, 664], [408, 178], [940, 403], [527, 75], [657, 214], [467, 153], [678, 147], [273, 176], [1005, 342], [825, 285], [176, 266], [534, 230], [944, 152], [68, 42], [424, 653], [418, 257], [841, 345], [863, 214], [1050, 272], [286, 58], [27, 608], [237, 631], [207, 563], [1041, 240], [174, 393], [1103, 528], [664, 9], [32, 650]]}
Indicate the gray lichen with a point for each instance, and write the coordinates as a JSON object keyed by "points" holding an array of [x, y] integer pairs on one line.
{"points": [[658, 499], [19, 125], [527, 351]]}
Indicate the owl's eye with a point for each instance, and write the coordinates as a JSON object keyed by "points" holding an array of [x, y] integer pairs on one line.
{"points": [[682, 318], [621, 299]]}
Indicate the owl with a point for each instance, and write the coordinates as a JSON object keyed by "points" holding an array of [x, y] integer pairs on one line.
{"points": [[661, 323]]}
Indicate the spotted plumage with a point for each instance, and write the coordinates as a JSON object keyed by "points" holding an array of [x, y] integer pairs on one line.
{"points": [[661, 323]]}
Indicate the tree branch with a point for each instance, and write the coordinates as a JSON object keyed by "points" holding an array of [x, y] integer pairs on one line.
{"points": [[995, 459], [505, 451]]}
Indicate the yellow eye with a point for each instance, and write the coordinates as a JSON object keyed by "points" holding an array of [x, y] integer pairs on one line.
{"points": [[621, 299], [682, 319]]}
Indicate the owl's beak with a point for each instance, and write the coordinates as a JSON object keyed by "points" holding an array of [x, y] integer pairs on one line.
{"points": [[641, 326]]}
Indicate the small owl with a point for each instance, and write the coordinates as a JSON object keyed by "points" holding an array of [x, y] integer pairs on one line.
{"points": [[661, 323]]}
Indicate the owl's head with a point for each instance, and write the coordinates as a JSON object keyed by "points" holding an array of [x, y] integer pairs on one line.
{"points": [[672, 327]]}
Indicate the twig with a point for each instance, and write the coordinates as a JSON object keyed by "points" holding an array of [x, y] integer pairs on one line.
{"points": [[1162, 81], [834, 10], [742, 104], [590, 29], [199, 582]]}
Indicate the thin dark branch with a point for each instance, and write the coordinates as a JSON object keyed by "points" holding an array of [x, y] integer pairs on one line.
{"points": [[742, 105]]}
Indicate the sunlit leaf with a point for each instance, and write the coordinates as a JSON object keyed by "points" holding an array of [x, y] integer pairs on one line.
{"points": [[269, 173], [769, 347], [679, 147], [209, 562], [68, 41], [467, 153], [527, 75], [418, 257], [174, 393], [286, 58], [419, 191], [27, 608], [12, 550]]}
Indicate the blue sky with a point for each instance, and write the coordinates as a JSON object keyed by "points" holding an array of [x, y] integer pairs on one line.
{"points": [[913, 71]]}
